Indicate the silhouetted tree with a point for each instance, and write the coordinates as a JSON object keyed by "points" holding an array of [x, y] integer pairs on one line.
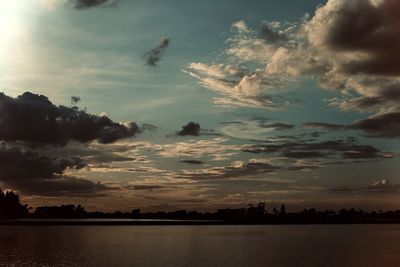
{"points": [[63, 211], [10, 206], [275, 211], [283, 210]]}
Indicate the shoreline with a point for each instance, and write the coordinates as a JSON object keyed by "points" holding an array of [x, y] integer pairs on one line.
{"points": [[119, 222]]}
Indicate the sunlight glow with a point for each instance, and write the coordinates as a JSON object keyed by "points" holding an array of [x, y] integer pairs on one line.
{"points": [[11, 24]]}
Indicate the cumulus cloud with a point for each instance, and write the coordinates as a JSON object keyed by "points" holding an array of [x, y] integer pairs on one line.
{"points": [[85, 4], [270, 35], [34, 119], [154, 56], [358, 43], [360, 27], [239, 85], [347, 46]]}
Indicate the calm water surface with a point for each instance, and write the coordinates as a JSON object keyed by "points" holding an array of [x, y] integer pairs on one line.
{"points": [[309, 245]]}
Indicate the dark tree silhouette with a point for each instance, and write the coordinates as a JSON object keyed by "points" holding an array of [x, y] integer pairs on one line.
{"points": [[283, 210], [64, 211], [10, 206]]}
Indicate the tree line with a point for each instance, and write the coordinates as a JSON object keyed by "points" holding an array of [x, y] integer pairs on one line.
{"points": [[12, 208]]}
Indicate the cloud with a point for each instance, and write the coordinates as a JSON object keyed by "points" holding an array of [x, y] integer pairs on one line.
{"points": [[18, 164], [61, 187], [237, 83], [358, 42], [336, 151], [270, 35], [363, 27], [192, 129], [350, 47], [148, 187], [255, 129], [278, 126], [75, 100], [213, 150], [34, 119], [324, 125], [383, 125], [192, 161], [32, 173], [382, 186], [149, 127], [86, 4], [236, 169], [154, 56]]}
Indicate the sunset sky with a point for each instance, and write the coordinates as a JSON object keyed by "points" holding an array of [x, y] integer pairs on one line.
{"points": [[164, 105]]}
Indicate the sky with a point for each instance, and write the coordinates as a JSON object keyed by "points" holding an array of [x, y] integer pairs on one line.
{"points": [[166, 105]]}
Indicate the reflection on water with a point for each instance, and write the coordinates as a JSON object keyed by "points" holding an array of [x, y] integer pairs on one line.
{"points": [[309, 245]]}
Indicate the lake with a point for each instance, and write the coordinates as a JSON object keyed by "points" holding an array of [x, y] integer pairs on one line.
{"points": [[206, 245]]}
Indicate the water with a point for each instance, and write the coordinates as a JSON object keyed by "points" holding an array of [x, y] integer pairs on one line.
{"points": [[299, 245]]}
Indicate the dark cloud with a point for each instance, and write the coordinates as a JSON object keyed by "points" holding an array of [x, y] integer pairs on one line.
{"points": [[85, 4], [342, 149], [303, 154], [64, 186], [316, 134], [380, 186], [190, 129], [19, 164], [234, 122], [75, 100], [32, 173], [154, 56], [192, 161], [271, 36], [374, 29], [33, 118], [384, 125], [147, 187]]}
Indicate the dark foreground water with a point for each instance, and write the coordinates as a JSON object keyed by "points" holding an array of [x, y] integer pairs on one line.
{"points": [[294, 245]]}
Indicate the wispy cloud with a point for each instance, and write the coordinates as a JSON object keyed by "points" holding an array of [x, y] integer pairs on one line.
{"points": [[154, 56]]}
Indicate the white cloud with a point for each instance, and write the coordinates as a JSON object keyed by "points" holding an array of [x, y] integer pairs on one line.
{"points": [[345, 47]]}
